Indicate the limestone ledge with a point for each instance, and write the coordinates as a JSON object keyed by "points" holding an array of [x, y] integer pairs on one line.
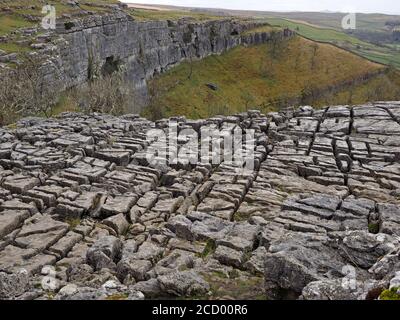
{"points": [[321, 208]]}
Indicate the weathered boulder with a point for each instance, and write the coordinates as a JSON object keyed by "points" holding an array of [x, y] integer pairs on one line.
{"points": [[297, 259], [104, 253], [364, 248], [185, 283], [13, 284]]}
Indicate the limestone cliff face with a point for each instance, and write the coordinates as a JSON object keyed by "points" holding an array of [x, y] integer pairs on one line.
{"points": [[143, 48]]}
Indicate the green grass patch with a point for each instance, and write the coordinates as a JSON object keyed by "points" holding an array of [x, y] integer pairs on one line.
{"points": [[73, 223], [12, 47], [117, 296], [209, 249], [240, 286], [266, 28], [373, 228], [64, 104], [379, 53], [9, 23], [369, 22], [390, 294], [146, 15], [240, 216]]}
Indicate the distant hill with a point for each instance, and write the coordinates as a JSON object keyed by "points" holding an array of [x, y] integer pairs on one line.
{"points": [[386, 53]]}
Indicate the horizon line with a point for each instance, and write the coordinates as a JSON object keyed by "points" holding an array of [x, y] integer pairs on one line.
{"points": [[261, 10]]}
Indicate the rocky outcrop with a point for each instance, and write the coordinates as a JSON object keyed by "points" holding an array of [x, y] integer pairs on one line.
{"points": [[85, 215], [143, 48]]}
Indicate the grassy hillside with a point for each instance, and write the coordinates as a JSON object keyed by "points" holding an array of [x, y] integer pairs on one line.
{"points": [[373, 38], [386, 54], [371, 22], [270, 76]]}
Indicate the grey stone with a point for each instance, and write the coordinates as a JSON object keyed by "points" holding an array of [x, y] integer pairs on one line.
{"points": [[104, 253], [118, 223], [13, 284], [11, 220], [117, 205], [256, 262], [228, 256], [295, 260], [150, 288], [185, 283], [181, 226], [364, 248], [65, 244], [20, 184], [339, 289], [149, 251], [136, 268]]}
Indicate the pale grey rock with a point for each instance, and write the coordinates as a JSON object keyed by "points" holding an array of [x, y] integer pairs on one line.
{"points": [[185, 283], [395, 282], [11, 220], [256, 262], [13, 284], [181, 226], [65, 244], [114, 206], [364, 248], [104, 253], [150, 288], [386, 267], [295, 260], [149, 251], [118, 223], [228, 256], [136, 268], [339, 289]]}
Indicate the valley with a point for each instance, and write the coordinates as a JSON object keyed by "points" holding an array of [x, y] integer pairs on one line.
{"points": [[272, 76]]}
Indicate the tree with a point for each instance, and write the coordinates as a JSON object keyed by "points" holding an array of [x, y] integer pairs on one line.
{"points": [[155, 109], [24, 92], [109, 93]]}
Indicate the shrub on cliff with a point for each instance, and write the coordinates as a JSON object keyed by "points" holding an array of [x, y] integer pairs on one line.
{"points": [[105, 94], [23, 93]]}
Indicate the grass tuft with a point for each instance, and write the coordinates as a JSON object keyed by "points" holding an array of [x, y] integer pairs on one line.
{"points": [[390, 294]]}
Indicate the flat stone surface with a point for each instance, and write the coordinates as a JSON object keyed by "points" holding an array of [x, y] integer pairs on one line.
{"points": [[11, 220], [77, 193], [65, 244]]}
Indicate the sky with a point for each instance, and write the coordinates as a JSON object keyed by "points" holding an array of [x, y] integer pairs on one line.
{"points": [[367, 6]]}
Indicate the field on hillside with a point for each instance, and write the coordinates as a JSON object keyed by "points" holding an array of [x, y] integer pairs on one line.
{"points": [[371, 22], [386, 54], [271, 76]]}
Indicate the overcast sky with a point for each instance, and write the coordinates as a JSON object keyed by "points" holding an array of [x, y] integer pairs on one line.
{"points": [[368, 6]]}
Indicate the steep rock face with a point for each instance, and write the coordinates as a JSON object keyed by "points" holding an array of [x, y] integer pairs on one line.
{"points": [[99, 43]]}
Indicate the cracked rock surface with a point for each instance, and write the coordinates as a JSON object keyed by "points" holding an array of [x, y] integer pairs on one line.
{"points": [[83, 215]]}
